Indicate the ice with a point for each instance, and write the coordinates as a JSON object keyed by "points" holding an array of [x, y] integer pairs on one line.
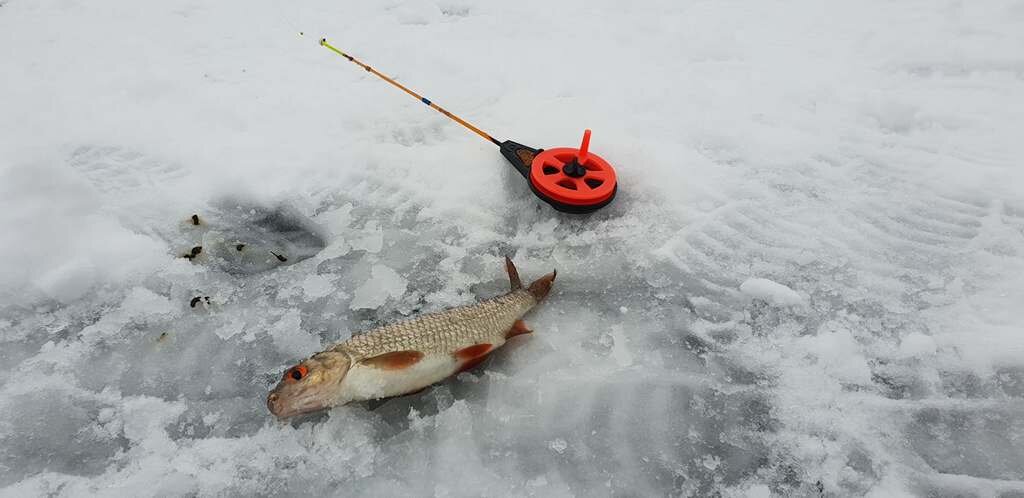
{"points": [[68, 281], [838, 352], [772, 292], [371, 241], [289, 337], [917, 345], [383, 283], [809, 283], [759, 491], [317, 286]]}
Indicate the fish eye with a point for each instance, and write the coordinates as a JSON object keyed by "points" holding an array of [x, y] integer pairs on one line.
{"points": [[297, 373]]}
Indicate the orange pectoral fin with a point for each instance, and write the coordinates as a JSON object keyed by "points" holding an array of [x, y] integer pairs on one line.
{"points": [[518, 328], [473, 352], [394, 361], [472, 356], [471, 364]]}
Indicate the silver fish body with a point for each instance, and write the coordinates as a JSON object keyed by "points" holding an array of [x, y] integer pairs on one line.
{"points": [[407, 356]]}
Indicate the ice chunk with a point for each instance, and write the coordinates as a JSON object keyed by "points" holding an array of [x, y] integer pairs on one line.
{"points": [[141, 301], [840, 355], [382, 284], [710, 462], [230, 329], [770, 291], [558, 445], [336, 249], [317, 286], [372, 240], [289, 336]]}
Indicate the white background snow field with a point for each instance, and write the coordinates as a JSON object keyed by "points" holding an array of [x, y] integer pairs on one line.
{"points": [[811, 282]]}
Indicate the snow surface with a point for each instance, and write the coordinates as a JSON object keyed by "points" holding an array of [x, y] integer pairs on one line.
{"points": [[770, 292], [866, 155]]}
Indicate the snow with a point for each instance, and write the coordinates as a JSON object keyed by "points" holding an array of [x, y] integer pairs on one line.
{"points": [[558, 445], [769, 291], [917, 344], [759, 491], [809, 283]]}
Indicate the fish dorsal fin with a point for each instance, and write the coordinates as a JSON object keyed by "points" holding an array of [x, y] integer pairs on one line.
{"points": [[513, 274], [395, 360]]}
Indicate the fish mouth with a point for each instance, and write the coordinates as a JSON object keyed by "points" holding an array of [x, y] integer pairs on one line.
{"points": [[282, 409]]}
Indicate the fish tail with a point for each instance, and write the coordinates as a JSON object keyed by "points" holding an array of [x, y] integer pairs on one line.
{"points": [[513, 274], [540, 287]]}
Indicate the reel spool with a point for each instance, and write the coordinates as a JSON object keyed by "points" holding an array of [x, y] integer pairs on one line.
{"points": [[569, 180]]}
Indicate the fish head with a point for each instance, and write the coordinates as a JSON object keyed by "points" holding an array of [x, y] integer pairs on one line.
{"points": [[312, 385]]}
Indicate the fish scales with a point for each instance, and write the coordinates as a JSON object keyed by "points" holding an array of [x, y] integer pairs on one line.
{"points": [[444, 332]]}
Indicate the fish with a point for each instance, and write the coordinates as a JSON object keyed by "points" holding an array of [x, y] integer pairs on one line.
{"points": [[408, 356]]}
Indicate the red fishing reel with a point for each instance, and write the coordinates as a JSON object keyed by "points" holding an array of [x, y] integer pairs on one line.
{"points": [[570, 180]]}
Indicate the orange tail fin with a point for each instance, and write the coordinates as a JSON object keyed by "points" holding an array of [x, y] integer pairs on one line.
{"points": [[540, 287]]}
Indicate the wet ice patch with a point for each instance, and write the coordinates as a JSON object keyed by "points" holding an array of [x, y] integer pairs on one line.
{"points": [[243, 239], [290, 338], [66, 433], [317, 286], [383, 283], [371, 240]]}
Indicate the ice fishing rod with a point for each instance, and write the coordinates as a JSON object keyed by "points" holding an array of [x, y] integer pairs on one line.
{"points": [[571, 180]]}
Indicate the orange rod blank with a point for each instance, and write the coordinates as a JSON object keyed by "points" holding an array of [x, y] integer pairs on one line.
{"points": [[474, 129]]}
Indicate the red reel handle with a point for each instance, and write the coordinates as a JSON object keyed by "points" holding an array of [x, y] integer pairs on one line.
{"points": [[584, 147]]}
